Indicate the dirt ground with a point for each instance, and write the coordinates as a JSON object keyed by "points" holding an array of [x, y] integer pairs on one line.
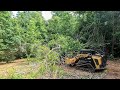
{"points": [[5, 66], [19, 66], [112, 71]]}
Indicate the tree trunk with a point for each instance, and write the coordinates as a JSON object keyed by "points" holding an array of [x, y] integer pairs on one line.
{"points": [[113, 39]]}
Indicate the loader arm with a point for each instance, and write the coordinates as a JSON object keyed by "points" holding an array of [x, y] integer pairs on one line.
{"points": [[75, 59]]}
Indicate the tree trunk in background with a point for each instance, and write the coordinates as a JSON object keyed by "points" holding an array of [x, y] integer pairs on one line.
{"points": [[113, 39]]}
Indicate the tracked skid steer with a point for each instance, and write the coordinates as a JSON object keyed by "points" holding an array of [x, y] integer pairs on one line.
{"points": [[88, 59]]}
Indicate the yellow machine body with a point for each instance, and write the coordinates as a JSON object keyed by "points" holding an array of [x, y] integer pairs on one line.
{"points": [[96, 61]]}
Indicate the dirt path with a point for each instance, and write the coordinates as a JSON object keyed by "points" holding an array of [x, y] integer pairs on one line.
{"points": [[18, 68], [112, 71], [5, 66], [80, 74]]}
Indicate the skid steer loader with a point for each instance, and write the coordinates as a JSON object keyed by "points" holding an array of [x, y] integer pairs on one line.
{"points": [[88, 59]]}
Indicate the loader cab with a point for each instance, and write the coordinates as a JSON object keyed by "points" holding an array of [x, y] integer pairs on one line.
{"points": [[92, 52]]}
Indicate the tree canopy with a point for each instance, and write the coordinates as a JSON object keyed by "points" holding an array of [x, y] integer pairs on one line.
{"points": [[69, 30]]}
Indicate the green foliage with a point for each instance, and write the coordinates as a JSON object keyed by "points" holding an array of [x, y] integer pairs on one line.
{"points": [[29, 35], [66, 44], [43, 53], [62, 32], [63, 23], [7, 43], [19, 34]]}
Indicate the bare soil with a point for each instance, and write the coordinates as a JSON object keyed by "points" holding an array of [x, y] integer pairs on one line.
{"points": [[112, 71]]}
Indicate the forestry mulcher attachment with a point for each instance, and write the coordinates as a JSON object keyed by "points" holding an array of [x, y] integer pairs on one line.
{"points": [[88, 59]]}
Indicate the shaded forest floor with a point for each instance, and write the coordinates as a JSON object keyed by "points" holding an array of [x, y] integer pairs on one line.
{"points": [[112, 71]]}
